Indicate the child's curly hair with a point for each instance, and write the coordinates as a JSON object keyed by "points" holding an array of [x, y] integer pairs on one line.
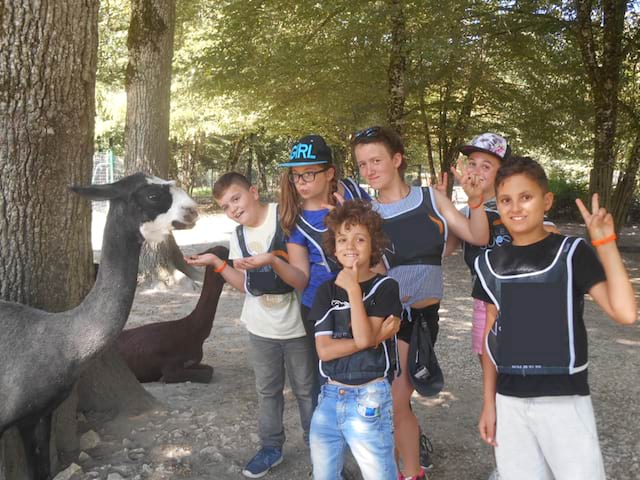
{"points": [[351, 213]]}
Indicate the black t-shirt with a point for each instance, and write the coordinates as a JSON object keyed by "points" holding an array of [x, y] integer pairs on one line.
{"points": [[331, 313], [587, 272]]}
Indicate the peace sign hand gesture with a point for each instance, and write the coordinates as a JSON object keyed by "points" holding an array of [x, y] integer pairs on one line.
{"points": [[469, 181], [599, 222]]}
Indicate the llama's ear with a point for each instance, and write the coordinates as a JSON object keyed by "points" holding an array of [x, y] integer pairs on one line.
{"points": [[96, 192]]}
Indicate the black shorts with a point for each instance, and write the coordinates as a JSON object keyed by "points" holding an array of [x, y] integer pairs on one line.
{"points": [[429, 314]]}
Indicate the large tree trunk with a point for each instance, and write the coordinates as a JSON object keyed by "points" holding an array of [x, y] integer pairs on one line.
{"points": [[397, 66], [604, 79], [48, 53], [148, 86]]}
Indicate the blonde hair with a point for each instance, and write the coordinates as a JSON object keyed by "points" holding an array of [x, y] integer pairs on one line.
{"points": [[290, 202]]}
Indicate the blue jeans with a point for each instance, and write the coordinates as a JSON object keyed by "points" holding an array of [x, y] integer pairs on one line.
{"points": [[360, 417], [270, 358]]}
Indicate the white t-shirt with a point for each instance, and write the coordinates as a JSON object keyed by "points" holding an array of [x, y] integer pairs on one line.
{"points": [[268, 316]]}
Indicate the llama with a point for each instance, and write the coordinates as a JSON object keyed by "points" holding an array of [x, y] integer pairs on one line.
{"points": [[35, 380], [172, 351]]}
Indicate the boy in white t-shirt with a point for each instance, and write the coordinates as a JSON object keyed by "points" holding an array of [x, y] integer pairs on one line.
{"points": [[271, 312]]}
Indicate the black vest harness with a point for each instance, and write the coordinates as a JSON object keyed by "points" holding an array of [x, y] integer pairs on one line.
{"points": [[417, 236], [264, 279], [498, 236], [364, 365], [314, 235], [534, 331]]}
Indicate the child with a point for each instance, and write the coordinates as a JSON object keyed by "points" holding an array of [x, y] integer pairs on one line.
{"points": [[485, 154], [271, 313], [537, 409], [355, 406], [417, 221], [309, 188]]}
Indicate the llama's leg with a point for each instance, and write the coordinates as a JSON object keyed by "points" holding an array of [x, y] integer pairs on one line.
{"points": [[35, 437], [197, 373]]}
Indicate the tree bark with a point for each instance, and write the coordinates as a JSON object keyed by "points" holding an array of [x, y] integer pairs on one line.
{"points": [[397, 66], [625, 188], [604, 79], [48, 52], [148, 86], [427, 136]]}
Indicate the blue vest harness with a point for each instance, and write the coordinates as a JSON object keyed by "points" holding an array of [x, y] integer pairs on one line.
{"points": [[264, 279], [314, 235], [534, 332]]}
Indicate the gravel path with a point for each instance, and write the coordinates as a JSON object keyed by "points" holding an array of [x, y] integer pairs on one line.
{"points": [[209, 432]]}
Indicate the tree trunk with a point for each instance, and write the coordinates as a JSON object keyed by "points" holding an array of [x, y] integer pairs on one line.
{"points": [[604, 79], [148, 86], [397, 67], [236, 150], [623, 194], [462, 123], [48, 53], [427, 136]]}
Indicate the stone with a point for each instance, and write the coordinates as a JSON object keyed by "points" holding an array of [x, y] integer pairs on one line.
{"points": [[89, 440], [69, 472]]}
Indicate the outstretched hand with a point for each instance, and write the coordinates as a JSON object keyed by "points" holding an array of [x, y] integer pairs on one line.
{"points": [[470, 182], [599, 222], [202, 260], [254, 261]]}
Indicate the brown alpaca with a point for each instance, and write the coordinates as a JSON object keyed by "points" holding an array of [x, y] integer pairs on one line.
{"points": [[172, 351]]}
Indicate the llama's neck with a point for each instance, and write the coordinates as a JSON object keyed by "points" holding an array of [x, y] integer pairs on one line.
{"points": [[103, 313], [201, 319]]}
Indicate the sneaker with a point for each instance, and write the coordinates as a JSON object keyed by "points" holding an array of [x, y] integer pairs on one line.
{"points": [[262, 462], [425, 452]]}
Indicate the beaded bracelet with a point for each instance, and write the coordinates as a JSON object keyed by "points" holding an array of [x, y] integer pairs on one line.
{"points": [[605, 240], [221, 267], [473, 207]]}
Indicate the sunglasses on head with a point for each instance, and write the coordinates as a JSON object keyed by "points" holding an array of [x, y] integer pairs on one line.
{"points": [[367, 133]]}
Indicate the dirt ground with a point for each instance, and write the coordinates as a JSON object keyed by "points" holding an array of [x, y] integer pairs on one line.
{"points": [[209, 431]]}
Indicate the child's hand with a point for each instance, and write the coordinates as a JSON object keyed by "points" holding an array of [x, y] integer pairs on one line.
{"points": [[203, 260], [469, 181], [255, 261], [487, 425], [339, 201], [389, 328], [348, 278], [599, 222], [441, 183]]}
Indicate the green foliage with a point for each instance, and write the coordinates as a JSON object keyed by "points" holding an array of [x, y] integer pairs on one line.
{"points": [[565, 192], [250, 76]]}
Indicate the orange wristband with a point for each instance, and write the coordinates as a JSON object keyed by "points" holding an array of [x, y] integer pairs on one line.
{"points": [[602, 241], [473, 207], [221, 267]]}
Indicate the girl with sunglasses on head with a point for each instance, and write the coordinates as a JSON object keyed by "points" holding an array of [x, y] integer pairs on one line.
{"points": [[417, 221]]}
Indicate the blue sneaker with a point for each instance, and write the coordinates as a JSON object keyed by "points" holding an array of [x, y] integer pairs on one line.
{"points": [[262, 462]]}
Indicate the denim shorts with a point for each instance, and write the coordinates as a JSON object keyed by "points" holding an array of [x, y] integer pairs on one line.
{"points": [[360, 417]]}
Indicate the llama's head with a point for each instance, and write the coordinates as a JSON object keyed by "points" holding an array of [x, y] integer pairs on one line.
{"points": [[154, 206]]}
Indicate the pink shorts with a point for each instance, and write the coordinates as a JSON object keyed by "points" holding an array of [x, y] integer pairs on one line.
{"points": [[478, 323]]}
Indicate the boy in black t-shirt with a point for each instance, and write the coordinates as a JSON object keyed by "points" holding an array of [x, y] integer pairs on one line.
{"points": [[356, 350], [537, 410]]}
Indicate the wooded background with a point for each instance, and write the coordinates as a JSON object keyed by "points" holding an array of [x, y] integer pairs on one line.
{"points": [[183, 87]]}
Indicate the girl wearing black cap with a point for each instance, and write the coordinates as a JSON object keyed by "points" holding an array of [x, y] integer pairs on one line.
{"points": [[417, 221]]}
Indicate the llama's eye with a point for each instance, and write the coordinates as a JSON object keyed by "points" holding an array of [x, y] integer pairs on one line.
{"points": [[153, 197]]}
